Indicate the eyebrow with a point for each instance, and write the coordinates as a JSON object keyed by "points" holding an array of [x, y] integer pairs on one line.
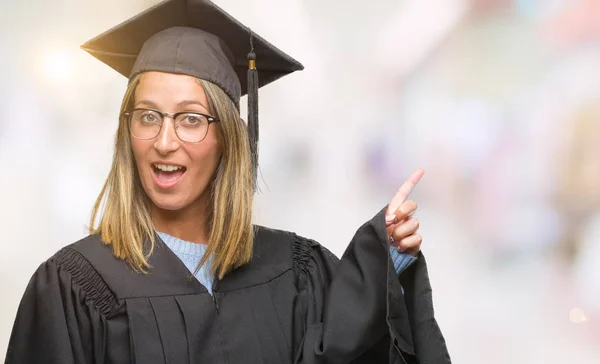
{"points": [[191, 102], [180, 105], [147, 103]]}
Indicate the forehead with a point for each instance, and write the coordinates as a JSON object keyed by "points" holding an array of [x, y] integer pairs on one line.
{"points": [[169, 88]]}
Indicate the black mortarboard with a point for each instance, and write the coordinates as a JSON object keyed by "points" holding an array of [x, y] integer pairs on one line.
{"points": [[196, 38]]}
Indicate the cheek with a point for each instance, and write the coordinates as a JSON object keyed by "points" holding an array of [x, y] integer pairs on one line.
{"points": [[138, 149], [210, 148], [206, 156], [135, 146]]}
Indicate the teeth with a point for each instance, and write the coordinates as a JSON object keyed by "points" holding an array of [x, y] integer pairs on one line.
{"points": [[167, 167]]}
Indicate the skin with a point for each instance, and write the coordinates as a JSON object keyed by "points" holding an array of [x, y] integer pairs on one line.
{"points": [[177, 210], [401, 226]]}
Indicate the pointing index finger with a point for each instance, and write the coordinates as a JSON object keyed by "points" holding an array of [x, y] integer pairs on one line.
{"points": [[404, 191]]}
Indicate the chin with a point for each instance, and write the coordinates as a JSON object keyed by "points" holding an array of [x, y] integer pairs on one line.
{"points": [[169, 203]]}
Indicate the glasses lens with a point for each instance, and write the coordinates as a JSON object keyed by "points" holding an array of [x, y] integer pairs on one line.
{"points": [[191, 127], [145, 124]]}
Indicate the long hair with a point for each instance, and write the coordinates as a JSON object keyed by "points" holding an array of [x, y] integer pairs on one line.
{"points": [[125, 209]]}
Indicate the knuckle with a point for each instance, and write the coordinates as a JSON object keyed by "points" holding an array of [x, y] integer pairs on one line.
{"points": [[397, 232], [405, 209]]}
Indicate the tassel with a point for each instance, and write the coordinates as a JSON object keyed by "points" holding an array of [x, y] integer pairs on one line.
{"points": [[253, 111]]}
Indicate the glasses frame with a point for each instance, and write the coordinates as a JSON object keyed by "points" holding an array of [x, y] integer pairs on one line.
{"points": [[211, 119]]}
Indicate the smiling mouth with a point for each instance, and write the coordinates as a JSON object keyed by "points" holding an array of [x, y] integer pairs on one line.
{"points": [[166, 175]]}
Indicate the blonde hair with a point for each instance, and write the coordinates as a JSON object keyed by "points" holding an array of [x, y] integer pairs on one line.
{"points": [[126, 221]]}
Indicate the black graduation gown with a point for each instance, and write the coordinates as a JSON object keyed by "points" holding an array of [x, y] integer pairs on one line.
{"points": [[295, 302]]}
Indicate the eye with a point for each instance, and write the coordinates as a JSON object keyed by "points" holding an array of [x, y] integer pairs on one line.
{"points": [[149, 117], [193, 119]]}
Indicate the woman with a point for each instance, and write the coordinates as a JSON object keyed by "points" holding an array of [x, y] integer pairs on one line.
{"points": [[178, 200]]}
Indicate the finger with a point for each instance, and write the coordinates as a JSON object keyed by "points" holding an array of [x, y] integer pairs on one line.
{"points": [[405, 229], [410, 244], [404, 191], [405, 210]]}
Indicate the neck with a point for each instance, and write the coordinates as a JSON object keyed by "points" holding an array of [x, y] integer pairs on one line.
{"points": [[189, 223]]}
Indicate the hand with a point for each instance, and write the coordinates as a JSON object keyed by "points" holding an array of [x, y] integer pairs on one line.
{"points": [[401, 226]]}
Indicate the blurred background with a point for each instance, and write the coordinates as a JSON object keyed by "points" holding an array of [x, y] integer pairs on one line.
{"points": [[498, 100]]}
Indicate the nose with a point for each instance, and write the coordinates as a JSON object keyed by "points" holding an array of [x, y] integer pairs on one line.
{"points": [[167, 141]]}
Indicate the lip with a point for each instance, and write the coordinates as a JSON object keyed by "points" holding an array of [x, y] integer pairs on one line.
{"points": [[169, 185], [167, 163]]}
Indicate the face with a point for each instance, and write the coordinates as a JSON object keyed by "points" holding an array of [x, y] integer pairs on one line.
{"points": [[175, 174]]}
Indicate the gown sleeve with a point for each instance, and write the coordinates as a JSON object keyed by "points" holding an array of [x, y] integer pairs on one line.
{"points": [[60, 318], [355, 308]]}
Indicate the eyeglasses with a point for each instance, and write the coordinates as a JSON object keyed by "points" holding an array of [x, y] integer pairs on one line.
{"points": [[191, 127]]}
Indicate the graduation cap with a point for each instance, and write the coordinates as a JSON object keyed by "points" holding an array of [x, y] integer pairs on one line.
{"points": [[196, 38]]}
